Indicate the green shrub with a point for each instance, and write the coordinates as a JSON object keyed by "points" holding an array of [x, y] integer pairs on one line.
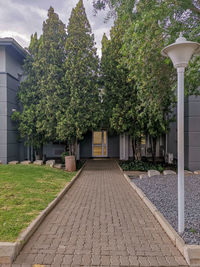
{"points": [[63, 155], [160, 168], [79, 164], [140, 166]]}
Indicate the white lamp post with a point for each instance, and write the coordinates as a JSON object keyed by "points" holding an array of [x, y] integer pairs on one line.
{"points": [[180, 53]]}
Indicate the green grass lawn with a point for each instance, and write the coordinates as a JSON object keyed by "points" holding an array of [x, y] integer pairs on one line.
{"points": [[24, 192]]}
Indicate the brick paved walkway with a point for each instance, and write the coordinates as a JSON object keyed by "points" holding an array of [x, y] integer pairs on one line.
{"points": [[100, 222]]}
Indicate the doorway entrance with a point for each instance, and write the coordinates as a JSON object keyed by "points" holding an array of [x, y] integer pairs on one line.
{"points": [[99, 144]]}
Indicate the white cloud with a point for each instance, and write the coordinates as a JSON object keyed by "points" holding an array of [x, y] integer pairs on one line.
{"points": [[21, 18], [22, 39]]}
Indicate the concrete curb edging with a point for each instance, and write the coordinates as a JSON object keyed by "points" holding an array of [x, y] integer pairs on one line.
{"points": [[191, 253], [9, 250]]}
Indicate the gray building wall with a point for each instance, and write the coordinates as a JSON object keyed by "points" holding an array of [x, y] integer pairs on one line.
{"points": [[3, 106], [86, 146], [13, 147], [192, 133], [172, 138], [13, 69], [10, 71], [53, 150], [113, 146]]}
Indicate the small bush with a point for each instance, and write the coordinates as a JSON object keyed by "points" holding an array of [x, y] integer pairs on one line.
{"points": [[140, 166], [63, 155], [192, 230], [79, 164]]}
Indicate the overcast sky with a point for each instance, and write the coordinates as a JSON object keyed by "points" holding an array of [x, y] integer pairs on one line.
{"points": [[20, 18]]}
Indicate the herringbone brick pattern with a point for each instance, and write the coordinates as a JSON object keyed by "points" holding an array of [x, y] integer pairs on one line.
{"points": [[100, 222]]}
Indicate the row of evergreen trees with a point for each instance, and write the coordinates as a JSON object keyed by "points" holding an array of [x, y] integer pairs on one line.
{"points": [[139, 83], [59, 96]]}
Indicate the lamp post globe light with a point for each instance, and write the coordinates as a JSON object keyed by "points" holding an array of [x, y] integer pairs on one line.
{"points": [[180, 53]]}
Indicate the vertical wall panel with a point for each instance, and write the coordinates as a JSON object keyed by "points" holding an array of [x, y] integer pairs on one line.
{"points": [[192, 134], [86, 146], [113, 146], [3, 112]]}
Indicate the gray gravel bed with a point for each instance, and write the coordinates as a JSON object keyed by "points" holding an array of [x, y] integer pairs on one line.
{"points": [[162, 191]]}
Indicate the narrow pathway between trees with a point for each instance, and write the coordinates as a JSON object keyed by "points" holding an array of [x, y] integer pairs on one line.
{"points": [[100, 222]]}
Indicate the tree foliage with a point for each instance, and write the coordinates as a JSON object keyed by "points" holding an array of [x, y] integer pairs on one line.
{"points": [[120, 95], [29, 97], [42, 90], [84, 110], [150, 26], [152, 73], [192, 5], [53, 90], [173, 16], [60, 97]]}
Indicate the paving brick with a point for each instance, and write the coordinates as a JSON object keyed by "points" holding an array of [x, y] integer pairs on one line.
{"points": [[105, 260], [153, 261], [124, 260], [171, 260], [86, 260], [143, 261], [162, 261], [134, 261], [39, 258], [115, 260], [96, 260], [58, 260], [100, 221], [77, 260], [67, 259], [48, 259]]}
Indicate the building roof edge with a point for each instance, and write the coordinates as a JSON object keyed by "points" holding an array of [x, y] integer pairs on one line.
{"points": [[8, 41]]}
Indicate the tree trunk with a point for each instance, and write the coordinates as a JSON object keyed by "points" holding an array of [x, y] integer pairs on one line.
{"points": [[39, 153], [153, 148], [66, 147], [133, 147], [72, 148], [136, 146], [138, 149]]}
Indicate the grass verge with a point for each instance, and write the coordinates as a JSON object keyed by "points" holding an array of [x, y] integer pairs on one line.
{"points": [[24, 192]]}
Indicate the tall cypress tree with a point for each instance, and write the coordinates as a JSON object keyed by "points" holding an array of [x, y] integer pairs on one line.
{"points": [[152, 73], [43, 92], [84, 110], [120, 96], [108, 77], [53, 89], [29, 97]]}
